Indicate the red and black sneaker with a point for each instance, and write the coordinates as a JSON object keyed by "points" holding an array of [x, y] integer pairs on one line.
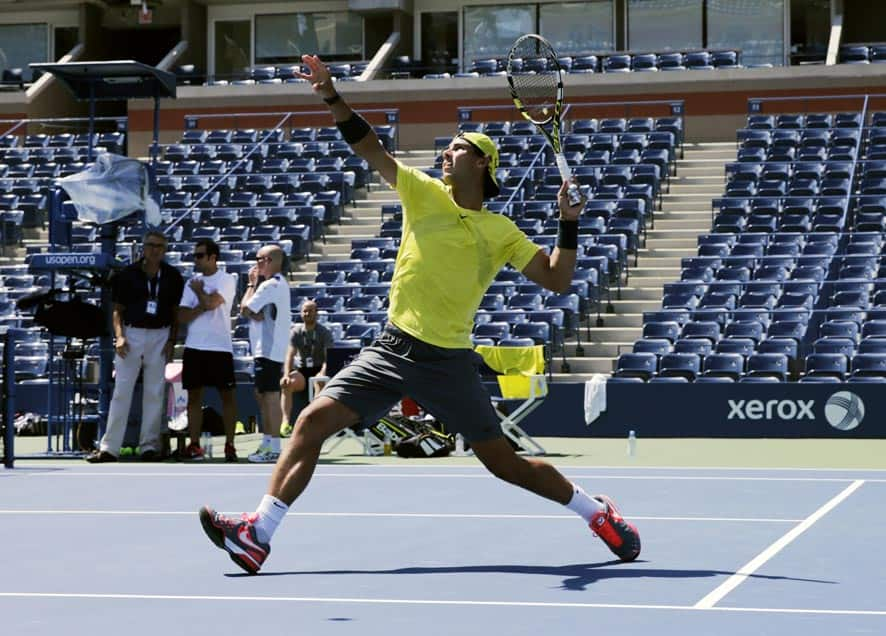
{"points": [[193, 452], [620, 536], [237, 537], [230, 453]]}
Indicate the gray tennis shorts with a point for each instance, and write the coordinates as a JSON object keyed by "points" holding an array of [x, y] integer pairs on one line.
{"points": [[445, 382]]}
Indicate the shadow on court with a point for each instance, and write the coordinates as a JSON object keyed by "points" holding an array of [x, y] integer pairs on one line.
{"points": [[576, 577]]}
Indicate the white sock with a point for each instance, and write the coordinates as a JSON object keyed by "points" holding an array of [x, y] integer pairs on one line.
{"points": [[269, 514], [583, 504], [275, 444], [266, 441]]}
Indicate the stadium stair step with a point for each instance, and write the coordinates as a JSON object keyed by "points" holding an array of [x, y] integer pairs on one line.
{"points": [[671, 243], [586, 364], [700, 216], [667, 256], [675, 233], [642, 293], [681, 189], [697, 204], [633, 306], [597, 349], [614, 319], [696, 177], [650, 276]]}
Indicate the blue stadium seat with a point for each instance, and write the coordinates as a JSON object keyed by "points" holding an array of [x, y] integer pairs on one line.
{"points": [[833, 365], [493, 330], [676, 364], [768, 364], [868, 364], [658, 346], [671, 61], [742, 346], [637, 365], [730, 365]]}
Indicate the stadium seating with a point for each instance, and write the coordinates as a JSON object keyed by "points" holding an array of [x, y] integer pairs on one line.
{"points": [[787, 285], [614, 62]]}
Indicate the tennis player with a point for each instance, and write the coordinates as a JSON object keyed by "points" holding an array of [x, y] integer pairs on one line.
{"points": [[450, 251]]}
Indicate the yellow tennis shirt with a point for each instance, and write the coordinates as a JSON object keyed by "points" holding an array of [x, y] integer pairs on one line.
{"points": [[448, 257]]}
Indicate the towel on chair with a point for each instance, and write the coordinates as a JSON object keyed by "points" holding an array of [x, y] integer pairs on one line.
{"points": [[595, 397]]}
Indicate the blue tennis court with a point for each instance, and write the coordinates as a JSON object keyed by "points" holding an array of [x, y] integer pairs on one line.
{"points": [[443, 549]]}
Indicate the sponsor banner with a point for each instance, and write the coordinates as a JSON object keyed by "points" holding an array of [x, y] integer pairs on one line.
{"points": [[744, 410]]}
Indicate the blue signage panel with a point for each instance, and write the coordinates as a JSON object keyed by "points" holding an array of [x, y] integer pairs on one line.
{"points": [[744, 410]]}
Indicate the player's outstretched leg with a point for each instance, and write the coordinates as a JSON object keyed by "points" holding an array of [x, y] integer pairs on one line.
{"points": [[247, 538], [543, 479]]}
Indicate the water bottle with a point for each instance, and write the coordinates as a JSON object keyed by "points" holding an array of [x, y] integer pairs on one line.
{"points": [[459, 445], [388, 446], [367, 442], [207, 445], [632, 444]]}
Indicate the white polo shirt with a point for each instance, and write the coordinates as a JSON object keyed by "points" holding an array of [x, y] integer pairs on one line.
{"points": [[269, 337]]}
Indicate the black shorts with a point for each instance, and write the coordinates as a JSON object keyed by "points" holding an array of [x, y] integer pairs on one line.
{"points": [[267, 375], [207, 368], [308, 373], [446, 382]]}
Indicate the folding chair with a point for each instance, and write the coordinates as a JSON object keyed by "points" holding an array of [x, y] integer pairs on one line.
{"points": [[521, 379]]}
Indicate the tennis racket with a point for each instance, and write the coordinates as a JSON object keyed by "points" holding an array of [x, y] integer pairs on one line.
{"points": [[539, 97]]}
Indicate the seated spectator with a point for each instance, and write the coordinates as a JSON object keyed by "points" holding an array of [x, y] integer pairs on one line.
{"points": [[305, 358]]}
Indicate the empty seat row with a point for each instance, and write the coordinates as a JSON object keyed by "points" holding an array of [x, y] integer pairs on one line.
{"points": [[615, 62]]}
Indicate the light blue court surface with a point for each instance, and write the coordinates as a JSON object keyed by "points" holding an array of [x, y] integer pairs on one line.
{"points": [[442, 549]]}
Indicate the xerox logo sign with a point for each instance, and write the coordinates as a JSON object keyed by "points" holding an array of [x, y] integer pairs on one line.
{"points": [[844, 410], [771, 410]]}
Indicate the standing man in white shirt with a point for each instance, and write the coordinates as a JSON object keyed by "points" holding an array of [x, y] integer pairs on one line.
{"points": [[208, 359], [267, 305]]}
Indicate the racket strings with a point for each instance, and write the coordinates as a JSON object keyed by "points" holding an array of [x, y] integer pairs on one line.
{"points": [[538, 94], [536, 91]]}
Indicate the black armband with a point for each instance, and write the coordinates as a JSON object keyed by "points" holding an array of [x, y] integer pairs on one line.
{"points": [[567, 235], [354, 130], [332, 100]]}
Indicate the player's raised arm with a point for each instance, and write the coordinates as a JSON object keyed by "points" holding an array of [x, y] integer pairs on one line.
{"points": [[355, 130]]}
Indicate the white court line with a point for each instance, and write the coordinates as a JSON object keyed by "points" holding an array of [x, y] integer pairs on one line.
{"points": [[394, 515], [407, 466], [415, 601], [483, 475], [754, 564]]}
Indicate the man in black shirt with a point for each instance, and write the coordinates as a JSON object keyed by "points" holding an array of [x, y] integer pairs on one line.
{"points": [[145, 296]]}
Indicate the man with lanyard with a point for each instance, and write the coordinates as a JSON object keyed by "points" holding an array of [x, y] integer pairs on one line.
{"points": [[451, 249], [267, 305], [307, 354], [208, 359], [145, 296]]}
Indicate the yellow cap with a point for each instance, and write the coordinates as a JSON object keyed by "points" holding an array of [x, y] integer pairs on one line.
{"points": [[487, 148]]}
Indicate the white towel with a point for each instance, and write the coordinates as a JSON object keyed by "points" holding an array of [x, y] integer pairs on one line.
{"points": [[595, 397]]}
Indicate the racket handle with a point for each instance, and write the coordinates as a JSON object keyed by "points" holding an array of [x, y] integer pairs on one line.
{"points": [[566, 175], [574, 194]]}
